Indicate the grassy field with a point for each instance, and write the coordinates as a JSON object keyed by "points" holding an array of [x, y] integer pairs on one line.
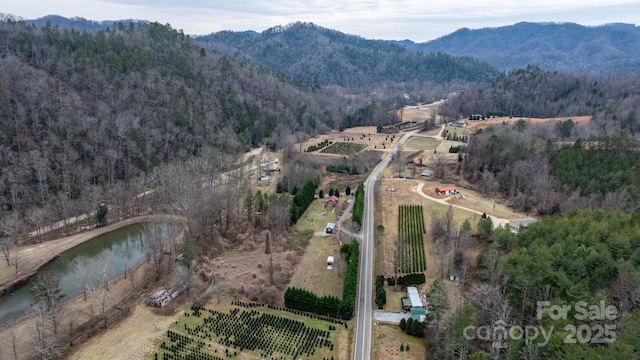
{"points": [[394, 299], [387, 340], [460, 131], [316, 217], [204, 333], [421, 143], [314, 275]]}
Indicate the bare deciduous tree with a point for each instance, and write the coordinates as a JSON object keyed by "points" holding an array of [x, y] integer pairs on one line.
{"points": [[185, 275], [80, 266], [438, 162], [46, 290], [153, 239], [44, 340], [100, 294]]}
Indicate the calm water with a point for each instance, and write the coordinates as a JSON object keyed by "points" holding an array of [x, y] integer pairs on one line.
{"points": [[122, 248]]}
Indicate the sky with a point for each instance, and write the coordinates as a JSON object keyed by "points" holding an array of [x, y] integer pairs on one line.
{"points": [[416, 20]]}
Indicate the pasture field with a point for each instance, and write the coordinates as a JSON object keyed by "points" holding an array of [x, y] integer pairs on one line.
{"points": [[421, 143]]}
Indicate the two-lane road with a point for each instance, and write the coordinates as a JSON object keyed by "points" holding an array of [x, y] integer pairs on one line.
{"points": [[362, 346]]}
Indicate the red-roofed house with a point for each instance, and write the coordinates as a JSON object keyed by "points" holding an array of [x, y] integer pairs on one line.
{"points": [[446, 190], [333, 200]]}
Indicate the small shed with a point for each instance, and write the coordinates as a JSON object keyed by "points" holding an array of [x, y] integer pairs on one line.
{"points": [[330, 262], [265, 178], [427, 172], [516, 224], [446, 190], [330, 228], [454, 276]]}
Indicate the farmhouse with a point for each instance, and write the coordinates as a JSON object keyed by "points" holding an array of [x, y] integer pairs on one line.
{"points": [[330, 228], [446, 190], [415, 304]]}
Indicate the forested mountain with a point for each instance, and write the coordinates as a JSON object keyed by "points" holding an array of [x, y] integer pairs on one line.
{"points": [[81, 111], [567, 47], [79, 23], [613, 100], [322, 57]]}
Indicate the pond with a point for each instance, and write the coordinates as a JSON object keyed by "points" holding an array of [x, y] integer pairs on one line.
{"points": [[119, 249]]}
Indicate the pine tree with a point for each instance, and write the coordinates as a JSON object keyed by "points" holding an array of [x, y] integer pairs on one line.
{"points": [[403, 324]]}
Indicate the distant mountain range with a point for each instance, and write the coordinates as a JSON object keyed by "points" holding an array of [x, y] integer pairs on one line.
{"points": [[79, 23], [319, 56], [299, 48], [564, 47]]}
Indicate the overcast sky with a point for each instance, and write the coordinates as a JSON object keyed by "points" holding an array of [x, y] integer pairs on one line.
{"points": [[383, 19]]}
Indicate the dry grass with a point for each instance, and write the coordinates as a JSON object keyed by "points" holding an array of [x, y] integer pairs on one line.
{"points": [[394, 299], [371, 139], [475, 125], [312, 273], [421, 143], [387, 340]]}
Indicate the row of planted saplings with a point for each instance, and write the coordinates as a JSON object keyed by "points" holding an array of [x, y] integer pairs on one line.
{"points": [[284, 335], [190, 356], [248, 330], [184, 344], [293, 311]]}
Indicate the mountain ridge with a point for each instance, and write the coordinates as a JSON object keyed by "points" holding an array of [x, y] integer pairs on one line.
{"points": [[569, 47]]}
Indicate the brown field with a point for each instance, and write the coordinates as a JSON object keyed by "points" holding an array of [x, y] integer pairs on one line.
{"points": [[356, 133], [474, 125], [421, 143], [387, 340]]}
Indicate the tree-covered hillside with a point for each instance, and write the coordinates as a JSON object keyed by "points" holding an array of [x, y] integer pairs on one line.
{"points": [[322, 57], [80, 110], [613, 100]]}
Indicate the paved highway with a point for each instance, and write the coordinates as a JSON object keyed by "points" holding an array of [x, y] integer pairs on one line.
{"points": [[362, 346]]}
